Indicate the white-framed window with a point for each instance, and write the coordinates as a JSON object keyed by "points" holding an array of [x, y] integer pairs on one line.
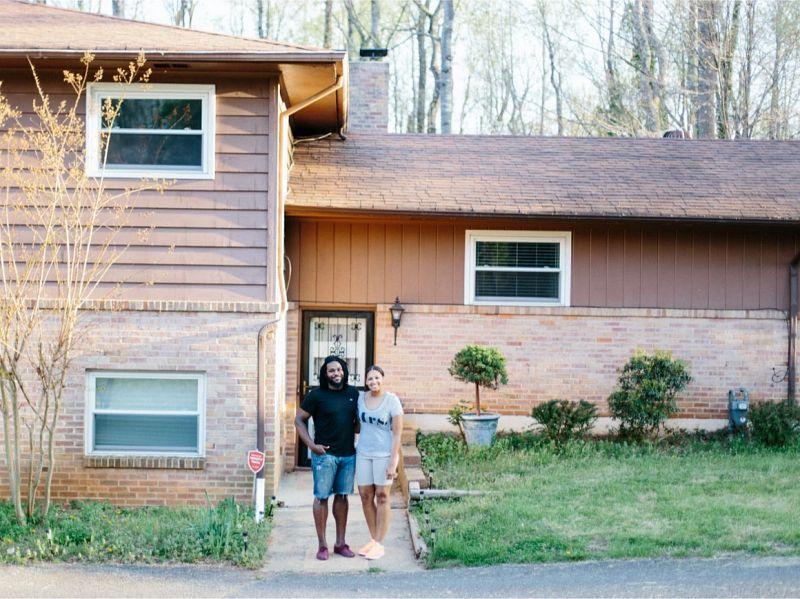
{"points": [[518, 267], [145, 413], [161, 130]]}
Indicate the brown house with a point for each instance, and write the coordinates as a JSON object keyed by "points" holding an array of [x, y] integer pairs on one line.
{"points": [[567, 254]]}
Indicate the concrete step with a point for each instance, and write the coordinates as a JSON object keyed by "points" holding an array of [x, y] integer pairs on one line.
{"points": [[414, 474], [411, 457], [409, 436]]}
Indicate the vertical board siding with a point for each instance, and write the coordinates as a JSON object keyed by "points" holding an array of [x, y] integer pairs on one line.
{"points": [[209, 238], [613, 264]]}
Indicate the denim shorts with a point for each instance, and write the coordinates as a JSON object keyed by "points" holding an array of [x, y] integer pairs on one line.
{"points": [[333, 475]]}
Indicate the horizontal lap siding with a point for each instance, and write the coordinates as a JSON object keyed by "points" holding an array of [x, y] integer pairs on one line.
{"points": [[613, 264], [206, 240]]}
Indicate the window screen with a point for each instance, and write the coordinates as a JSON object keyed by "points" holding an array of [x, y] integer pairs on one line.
{"points": [[148, 414]]}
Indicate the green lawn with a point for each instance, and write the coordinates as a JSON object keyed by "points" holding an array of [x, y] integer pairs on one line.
{"points": [[97, 532], [607, 500]]}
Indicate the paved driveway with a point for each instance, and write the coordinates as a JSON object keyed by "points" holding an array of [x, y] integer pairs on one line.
{"points": [[730, 577]]}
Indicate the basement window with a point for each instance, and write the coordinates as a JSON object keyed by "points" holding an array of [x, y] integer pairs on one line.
{"points": [[160, 131], [517, 268], [136, 413]]}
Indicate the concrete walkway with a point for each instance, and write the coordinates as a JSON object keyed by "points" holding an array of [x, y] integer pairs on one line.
{"points": [[293, 542], [741, 576]]}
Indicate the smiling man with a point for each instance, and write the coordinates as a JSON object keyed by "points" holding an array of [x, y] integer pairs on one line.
{"points": [[334, 407]]}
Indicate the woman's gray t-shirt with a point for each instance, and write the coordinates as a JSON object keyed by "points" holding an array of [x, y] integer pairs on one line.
{"points": [[375, 439]]}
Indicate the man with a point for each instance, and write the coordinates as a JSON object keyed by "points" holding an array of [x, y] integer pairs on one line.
{"points": [[334, 407]]}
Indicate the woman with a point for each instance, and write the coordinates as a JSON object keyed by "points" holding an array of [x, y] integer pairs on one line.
{"points": [[377, 454]]}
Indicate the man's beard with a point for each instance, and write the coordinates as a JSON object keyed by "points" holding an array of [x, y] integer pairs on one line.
{"points": [[336, 386]]}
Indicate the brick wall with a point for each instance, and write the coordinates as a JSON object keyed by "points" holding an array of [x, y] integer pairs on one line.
{"points": [[574, 353], [220, 344], [292, 382], [369, 97]]}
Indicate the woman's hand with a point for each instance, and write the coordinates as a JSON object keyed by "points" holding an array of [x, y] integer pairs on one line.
{"points": [[391, 472]]}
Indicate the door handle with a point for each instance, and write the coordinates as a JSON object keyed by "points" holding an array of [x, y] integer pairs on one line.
{"points": [[303, 389]]}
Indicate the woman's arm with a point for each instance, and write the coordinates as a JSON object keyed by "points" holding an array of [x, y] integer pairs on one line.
{"points": [[397, 439]]}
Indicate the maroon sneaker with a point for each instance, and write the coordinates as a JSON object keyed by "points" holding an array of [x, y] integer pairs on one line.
{"points": [[322, 554], [343, 550]]}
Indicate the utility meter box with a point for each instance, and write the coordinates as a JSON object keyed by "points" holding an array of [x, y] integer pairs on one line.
{"points": [[738, 409]]}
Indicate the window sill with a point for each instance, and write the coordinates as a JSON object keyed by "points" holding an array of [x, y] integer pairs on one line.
{"points": [[144, 462]]}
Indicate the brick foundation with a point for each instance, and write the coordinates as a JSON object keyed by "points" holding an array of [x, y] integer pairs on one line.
{"points": [[574, 353], [570, 353], [223, 345]]}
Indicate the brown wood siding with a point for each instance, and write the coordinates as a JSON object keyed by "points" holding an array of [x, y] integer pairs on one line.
{"points": [[714, 266], [209, 238]]}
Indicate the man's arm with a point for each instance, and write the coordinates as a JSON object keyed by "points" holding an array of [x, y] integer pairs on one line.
{"points": [[301, 424]]}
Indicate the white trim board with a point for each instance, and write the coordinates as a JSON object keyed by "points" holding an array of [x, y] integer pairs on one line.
{"points": [[205, 93], [472, 236]]}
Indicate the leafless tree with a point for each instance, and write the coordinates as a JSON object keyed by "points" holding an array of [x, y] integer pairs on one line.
{"points": [[57, 233]]}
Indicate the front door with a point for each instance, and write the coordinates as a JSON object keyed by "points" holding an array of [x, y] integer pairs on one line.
{"points": [[348, 335]]}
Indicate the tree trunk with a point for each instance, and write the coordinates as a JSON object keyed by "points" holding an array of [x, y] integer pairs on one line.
{"points": [[11, 444], [742, 117], [477, 399], [446, 78], [260, 19], [725, 126], [774, 125], [555, 76], [118, 8], [642, 61], [422, 74], [707, 70], [375, 21], [328, 27]]}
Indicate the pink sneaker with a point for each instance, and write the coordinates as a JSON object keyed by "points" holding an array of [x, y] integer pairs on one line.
{"points": [[365, 549], [322, 554], [377, 552]]}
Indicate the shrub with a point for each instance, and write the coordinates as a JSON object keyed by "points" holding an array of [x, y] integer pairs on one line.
{"points": [[645, 393], [565, 420], [481, 365], [775, 423], [455, 416]]}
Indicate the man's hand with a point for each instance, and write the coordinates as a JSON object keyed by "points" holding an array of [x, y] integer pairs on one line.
{"points": [[319, 449], [391, 472]]}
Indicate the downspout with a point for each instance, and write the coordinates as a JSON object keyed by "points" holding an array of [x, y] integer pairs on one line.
{"points": [[793, 317], [261, 391]]}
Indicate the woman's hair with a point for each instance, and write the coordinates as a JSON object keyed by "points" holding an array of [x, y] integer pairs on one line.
{"points": [[376, 368]]}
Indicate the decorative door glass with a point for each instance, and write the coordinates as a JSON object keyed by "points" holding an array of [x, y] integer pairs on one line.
{"points": [[342, 336]]}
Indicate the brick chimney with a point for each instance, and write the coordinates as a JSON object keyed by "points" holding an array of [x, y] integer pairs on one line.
{"points": [[369, 97]]}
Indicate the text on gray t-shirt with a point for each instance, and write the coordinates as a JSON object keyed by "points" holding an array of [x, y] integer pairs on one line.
{"points": [[375, 439]]}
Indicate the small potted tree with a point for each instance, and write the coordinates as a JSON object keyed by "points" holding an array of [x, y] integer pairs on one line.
{"points": [[484, 367]]}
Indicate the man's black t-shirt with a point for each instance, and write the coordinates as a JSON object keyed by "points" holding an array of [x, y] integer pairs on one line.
{"points": [[335, 414]]}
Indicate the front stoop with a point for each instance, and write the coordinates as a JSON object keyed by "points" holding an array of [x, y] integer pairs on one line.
{"points": [[410, 471], [293, 541]]}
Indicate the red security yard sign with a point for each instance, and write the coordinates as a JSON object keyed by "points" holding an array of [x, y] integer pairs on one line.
{"points": [[255, 460]]}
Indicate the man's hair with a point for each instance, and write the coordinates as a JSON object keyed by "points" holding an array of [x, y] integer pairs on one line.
{"points": [[323, 372]]}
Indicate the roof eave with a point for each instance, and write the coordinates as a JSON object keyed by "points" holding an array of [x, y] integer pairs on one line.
{"points": [[186, 55], [302, 210]]}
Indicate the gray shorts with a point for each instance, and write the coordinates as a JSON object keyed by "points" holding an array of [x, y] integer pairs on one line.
{"points": [[372, 471]]}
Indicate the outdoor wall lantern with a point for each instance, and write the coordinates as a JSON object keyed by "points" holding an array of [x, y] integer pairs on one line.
{"points": [[397, 310]]}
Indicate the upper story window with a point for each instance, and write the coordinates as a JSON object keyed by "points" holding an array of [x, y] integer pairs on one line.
{"points": [[161, 130], [518, 268], [155, 413]]}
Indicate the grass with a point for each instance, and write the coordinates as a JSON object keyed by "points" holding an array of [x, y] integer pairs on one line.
{"points": [[100, 532], [609, 500]]}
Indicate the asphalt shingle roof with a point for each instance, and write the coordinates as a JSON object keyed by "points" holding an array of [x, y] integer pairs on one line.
{"points": [[37, 27], [549, 176]]}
